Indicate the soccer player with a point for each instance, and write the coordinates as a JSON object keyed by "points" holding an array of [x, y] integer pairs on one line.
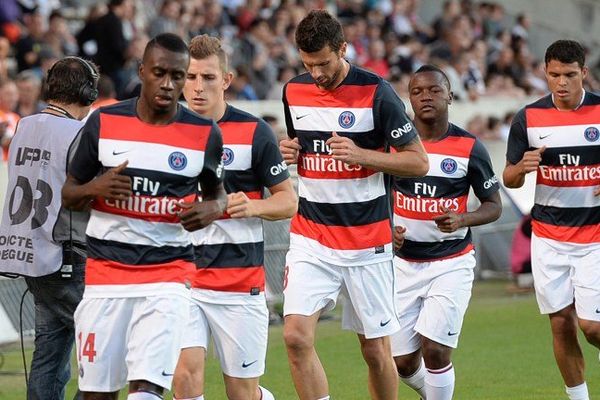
{"points": [[341, 119], [434, 257], [138, 165], [228, 289], [558, 137], [50, 250]]}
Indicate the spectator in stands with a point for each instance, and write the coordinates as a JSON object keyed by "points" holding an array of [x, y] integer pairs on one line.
{"points": [[521, 29], [5, 61], [9, 98], [168, 20], [59, 37], [376, 61], [29, 45], [240, 88], [520, 253], [107, 94], [29, 85], [86, 37]]}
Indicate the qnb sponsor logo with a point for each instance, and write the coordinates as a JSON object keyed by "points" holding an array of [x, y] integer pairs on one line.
{"points": [[398, 132], [318, 163], [278, 168], [565, 173], [155, 206], [490, 182], [425, 204]]}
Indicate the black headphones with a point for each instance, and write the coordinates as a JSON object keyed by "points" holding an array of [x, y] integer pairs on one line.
{"points": [[87, 92]]}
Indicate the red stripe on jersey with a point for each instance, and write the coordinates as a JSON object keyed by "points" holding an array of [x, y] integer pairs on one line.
{"points": [[345, 96], [230, 279], [541, 117], [238, 132], [105, 272], [460, 253], [148, 208], [573, 234], [457, 146], [426, 208], [571, 176], [344, 237], [188, 136], [323, 166], [251, 195]]}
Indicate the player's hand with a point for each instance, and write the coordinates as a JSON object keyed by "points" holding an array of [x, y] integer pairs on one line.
{"points": [[344, 149], [112, 185], [597, 191], [398, 236], [240, 206], [449, 221], [198, 214], [290, 149], [531, 160]]}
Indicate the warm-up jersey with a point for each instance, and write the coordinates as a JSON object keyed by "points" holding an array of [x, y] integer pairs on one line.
{"points": [[230, 251], [343, 215], [565, 209], [138, 247], [457, 162]]}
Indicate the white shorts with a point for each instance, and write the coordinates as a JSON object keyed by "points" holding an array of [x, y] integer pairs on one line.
{"points": [[564, 273], [126, 339], [313, 285], [431, 300], [239, 332]]}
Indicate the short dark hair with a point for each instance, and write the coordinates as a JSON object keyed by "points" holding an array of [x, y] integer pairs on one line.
{"points": [[168, 41], [66, 78], [317, 30], [433, 68], [566, 51]]}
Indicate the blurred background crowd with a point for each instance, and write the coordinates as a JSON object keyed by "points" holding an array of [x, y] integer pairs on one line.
{"points": [[484, 52]]}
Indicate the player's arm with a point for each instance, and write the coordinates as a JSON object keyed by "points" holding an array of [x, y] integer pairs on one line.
{"points": [[520, 159], [290, 148]]}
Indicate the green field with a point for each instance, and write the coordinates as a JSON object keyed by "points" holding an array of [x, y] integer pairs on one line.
{"points": [[505, 353]]}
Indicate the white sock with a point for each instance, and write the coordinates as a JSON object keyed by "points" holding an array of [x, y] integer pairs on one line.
{"points": [[143, 396], [417, 380], [324, 398], [265, 394], [439, 383], [579, 392], [201, 397]]}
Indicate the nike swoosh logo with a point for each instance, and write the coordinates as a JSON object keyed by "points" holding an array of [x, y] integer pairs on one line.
{"points": [[116, 153], [452, 333], [544, 136], [244, 365], [597, 310], [301, 116], [165, 374], [385, 323]]}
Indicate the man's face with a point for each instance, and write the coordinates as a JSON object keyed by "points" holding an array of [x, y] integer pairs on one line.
{"points": [[9, 97], [429, 96], [565, 81], [163, 75], [205, 84], [325, 66], [29, 91]]}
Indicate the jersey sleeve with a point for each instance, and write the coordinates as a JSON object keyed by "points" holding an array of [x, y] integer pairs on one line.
{"points": [[390, 117], [480, 172], [267, 161], [518, 143], [213, 171], [291, 132], [85, 165]]}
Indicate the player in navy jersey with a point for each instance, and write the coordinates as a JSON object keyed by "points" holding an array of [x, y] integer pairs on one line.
{"points": [[138, 166], [559, 137], [228, 289], [341, 121], [434, 255]]}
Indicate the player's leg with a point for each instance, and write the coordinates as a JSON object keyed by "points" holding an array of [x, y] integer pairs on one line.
{"points": [[371, 313], [411, 370], [586, 281], [439, 375], [310, 287]]}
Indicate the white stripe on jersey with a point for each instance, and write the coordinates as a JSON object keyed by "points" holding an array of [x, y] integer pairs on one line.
{"points": [[242, 157], [243, 230], [567, 197], [122, 229], [349, 258], [435, 166], [426, 231], [148, 156], [560, 136], [338, 191], [136, 290], [326, 119]]}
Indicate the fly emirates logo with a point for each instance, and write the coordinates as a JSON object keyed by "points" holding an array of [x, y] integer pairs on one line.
{"points": [[570, 170], [321, 160], [425, 201]]}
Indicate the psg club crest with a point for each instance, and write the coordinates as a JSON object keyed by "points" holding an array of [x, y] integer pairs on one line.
{"points": [[346, 119], [449, 166], [177, 161], [591, 134], [227, 156]]}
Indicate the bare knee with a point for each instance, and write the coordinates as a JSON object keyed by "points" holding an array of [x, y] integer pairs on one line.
{"points": [[376, 352], [296, 337], [241, 389], [436, 355], [591, 330], [564, 322], [408, 364]]}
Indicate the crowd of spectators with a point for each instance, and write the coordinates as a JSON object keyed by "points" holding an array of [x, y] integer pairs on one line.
{"points": [[484, 52]]}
